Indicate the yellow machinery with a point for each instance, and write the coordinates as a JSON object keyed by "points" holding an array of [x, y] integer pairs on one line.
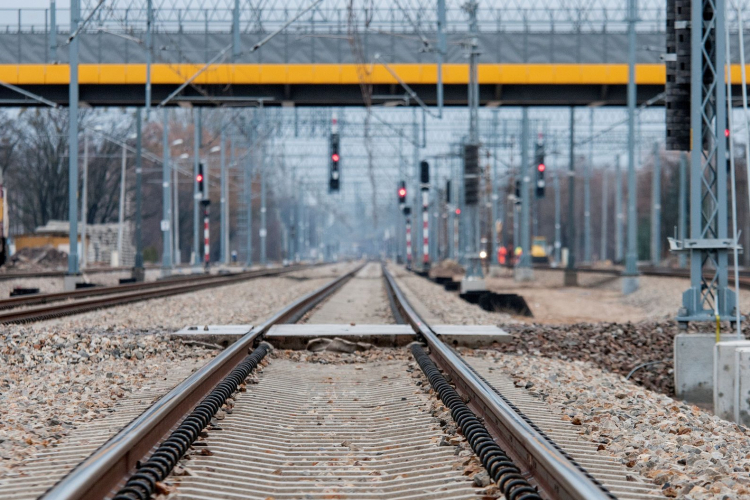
{"points": [[539, 250]]}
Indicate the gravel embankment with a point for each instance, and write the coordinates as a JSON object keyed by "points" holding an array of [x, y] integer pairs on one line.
{"points": [[59, 374], [687, 451], [614, 347]]}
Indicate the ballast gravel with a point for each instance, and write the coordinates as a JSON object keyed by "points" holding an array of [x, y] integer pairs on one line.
{"points": [[246, 302], [688, 452], [447, 307], [54, 379], [59, 374]]}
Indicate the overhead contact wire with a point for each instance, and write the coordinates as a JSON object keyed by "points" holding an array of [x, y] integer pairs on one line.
{"points": [[142, 484], [498, 464]]}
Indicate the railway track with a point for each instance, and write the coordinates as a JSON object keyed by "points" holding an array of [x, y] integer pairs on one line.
{"points": [[20, 310], [357, 430]]}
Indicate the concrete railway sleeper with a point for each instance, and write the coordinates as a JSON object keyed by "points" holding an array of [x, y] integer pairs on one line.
{"points": [[142, 484], [501, 468]]}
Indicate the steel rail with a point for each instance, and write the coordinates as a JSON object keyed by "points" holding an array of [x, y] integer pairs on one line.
{"points": [[121, 297], [108, 467], [45, 298], [12, 275], [542, 461]]}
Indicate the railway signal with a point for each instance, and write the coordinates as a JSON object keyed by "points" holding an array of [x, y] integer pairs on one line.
{"points": [[334, 178], [200, 180], [540, 168], [402, 194], [424, 178], [205, 202], [471, 174]]}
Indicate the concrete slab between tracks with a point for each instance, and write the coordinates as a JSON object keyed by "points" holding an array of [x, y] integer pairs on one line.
{"points": [[222, 335], [472, 336], [298, 336]]}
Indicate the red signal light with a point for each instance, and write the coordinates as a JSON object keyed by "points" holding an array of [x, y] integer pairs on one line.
{"points": [[541, 167], [726, 132], [402, 192], [199, 177], [458, 211], [335, 157]]}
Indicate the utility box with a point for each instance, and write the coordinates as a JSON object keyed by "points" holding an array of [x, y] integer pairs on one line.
{"points": [[742, 386], [725, 374], [694, 366]]}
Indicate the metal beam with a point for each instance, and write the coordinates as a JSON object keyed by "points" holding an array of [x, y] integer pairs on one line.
{"points": [[166, 201], [75, 13], [630, 282], [571, 275], [708, 245]]}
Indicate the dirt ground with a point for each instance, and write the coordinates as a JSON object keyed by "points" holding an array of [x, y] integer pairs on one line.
{"points": [[550, 302], [597, 298]]}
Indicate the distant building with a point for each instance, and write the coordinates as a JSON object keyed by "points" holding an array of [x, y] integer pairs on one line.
{"points": [[101, 241]]}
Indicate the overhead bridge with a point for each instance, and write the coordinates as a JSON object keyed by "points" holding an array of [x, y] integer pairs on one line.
{"points": [[299, 70]]}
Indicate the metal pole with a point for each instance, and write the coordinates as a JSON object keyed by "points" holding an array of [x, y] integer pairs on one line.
{"points": [[494, 190], [415, 159], [442, 47], [84, 200], [619, 216], [473, 75], [236, 44], [656, 209], [176, 253], [53, 31], [587, 193], [408, 243], [605, 209], [263, 229], [293, 229], [196, 194], [525, 192], [224, 216], [681, 208], [75, 7], [425, 227], [733, 184], [558, 225], [138, 270], [149, 51], [121, 211], [743, 73], [166, 211], [630, 282], [248, 185], [571, 275]]}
